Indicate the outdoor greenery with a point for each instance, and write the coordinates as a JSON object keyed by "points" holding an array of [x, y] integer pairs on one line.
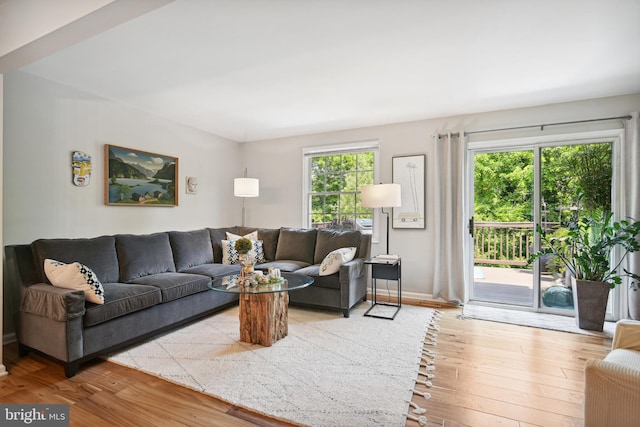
{"points": [[504, 193], [504, 182], [335, 188]]}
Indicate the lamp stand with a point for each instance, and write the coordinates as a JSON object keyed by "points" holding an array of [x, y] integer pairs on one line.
{"points": [[243, 199], [387, 214]]}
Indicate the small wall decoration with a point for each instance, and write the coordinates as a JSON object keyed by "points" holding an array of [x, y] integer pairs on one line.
{"points": [[192, 185], [139, 178], [409, 172], [80, 168]]}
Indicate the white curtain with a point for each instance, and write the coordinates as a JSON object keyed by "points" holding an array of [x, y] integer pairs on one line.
{"points": [[631, 191], [449, 229]]}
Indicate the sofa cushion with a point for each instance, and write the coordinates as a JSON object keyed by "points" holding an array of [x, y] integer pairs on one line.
{"points": [[142, 255], [175, 285], [330, 240], [190, 248], [297, 244], [75, 276], [330, 282], [121, 299], [332, 262], [99, 254], [283, 265], [231, 256], [214, 270], [217, 235]]}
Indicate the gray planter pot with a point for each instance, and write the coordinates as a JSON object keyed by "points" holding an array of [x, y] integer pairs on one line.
{"points": [[590, 302]]}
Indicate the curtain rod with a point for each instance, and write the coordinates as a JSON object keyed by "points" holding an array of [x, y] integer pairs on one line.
{"points": [[542, 126]]}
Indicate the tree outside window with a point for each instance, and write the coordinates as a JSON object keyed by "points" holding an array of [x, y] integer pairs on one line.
{"points": [[334, 195]]}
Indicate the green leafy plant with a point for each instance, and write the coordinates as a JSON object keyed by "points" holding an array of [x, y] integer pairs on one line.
{"points": [[243, 245], [586, 248]]}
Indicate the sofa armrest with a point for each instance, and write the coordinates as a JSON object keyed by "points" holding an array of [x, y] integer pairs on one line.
{"points": [[351, 270], [612, 391], [54, 303], [627, 335]]}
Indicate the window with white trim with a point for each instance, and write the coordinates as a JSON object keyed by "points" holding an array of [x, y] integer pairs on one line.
{"points": [[334, 176]]}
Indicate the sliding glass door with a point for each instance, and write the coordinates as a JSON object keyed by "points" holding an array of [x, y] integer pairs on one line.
{"points": [[517, 188]]}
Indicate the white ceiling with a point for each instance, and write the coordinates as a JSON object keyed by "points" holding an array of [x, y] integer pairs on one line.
{"points": [[258, 69]]}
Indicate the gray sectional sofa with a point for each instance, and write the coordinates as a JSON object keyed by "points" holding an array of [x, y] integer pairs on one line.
{"points": [[159, 281]]}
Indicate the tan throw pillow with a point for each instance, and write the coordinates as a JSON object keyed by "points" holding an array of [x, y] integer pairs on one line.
{"points": [[251, 236], [75, 276], [332, 262]]}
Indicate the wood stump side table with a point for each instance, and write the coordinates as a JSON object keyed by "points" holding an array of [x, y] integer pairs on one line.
{"points": [[264, 318], [264, 309]]}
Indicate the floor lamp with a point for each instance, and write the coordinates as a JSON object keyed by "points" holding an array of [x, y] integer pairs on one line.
{"points": [[246, 187], [381, 196]]}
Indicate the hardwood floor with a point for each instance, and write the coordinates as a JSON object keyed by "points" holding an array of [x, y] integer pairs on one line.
{"points": [[496, 374], [487, 374]]}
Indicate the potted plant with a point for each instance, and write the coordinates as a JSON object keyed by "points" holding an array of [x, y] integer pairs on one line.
{"points": [[586, 250], [243, 246]]}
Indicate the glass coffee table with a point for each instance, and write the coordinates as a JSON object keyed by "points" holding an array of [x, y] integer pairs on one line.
{"points": [[264, 309]]}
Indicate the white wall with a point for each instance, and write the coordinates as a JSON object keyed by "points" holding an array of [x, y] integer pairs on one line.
{"points": [[45, 122], [278, 164]]}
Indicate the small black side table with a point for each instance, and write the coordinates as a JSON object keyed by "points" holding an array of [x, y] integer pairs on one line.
{"points": [[386, 269]]}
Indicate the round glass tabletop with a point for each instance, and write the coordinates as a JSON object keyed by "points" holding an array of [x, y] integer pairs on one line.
{"points": [[232, 284]]}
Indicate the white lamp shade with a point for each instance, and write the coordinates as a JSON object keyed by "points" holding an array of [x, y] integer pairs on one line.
{"points": [[381, 196], [246, 187]]}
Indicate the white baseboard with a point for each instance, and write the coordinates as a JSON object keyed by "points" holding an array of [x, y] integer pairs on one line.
{"points": [[393, 291]]}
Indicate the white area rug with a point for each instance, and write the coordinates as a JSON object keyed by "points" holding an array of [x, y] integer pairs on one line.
{"points": [[536, 320], [329, 371]]}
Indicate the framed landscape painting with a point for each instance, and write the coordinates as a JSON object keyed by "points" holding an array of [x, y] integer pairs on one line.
{"points": [[139, 178], [409, 172]]}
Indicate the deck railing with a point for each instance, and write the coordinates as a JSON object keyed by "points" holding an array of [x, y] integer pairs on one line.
{"points": [[503, 243]]}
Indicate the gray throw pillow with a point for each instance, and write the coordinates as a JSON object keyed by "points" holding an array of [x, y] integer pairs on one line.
{"points": [[330, 240], [191, 248], [143, 255], [296, 244], [98, 253]]}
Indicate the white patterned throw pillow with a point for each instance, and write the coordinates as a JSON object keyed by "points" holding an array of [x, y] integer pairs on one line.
{"points": [[75, 276], [231, 256], [332, 262]]}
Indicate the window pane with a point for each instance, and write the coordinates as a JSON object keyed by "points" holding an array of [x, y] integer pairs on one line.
{"points": [[349, 181], [331, 204], [364, 178], [333, 163], [365, 161], [334, 183]]}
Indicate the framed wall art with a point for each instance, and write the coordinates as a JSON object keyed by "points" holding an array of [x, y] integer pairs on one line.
{"points": [[139, 178], [191, 185], [409, 172]]}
